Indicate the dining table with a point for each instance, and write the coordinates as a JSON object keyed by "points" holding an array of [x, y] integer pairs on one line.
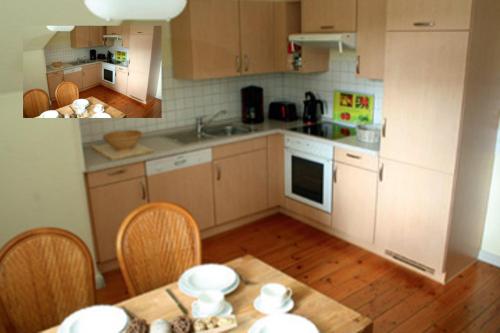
{"points": [[327, 314], [112, 111]]}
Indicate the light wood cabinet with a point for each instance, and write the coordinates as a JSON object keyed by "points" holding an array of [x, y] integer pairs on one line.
{"points": [[95, 36], [371, 39], [191, 188], [121, 82], [125, 30], [53, 80], [276, 167], [87, 36], [91, 75], [76, 78], [106, 189], [114, 30], [140, 51], [141, 28], [424, 90], [428, 15], [328, 16], [354, 202], [240, 185], [413, 213]]}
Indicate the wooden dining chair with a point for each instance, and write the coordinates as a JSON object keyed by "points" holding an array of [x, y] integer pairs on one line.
{"points": [[45, 275], [156, 243], [35, 101], [66, 93]]}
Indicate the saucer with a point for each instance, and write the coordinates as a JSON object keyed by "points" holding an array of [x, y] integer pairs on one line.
{"points": [[262, 308], [226, 310]]}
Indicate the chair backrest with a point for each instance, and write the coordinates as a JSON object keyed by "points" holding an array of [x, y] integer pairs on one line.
{"points": [[45, 275], [66, 93], [35, 101], [156, 243]]}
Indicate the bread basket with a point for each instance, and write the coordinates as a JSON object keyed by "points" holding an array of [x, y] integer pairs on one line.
{"points": [[121, 140]]}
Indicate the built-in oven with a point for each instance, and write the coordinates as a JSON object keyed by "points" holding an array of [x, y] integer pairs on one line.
{"points": [[108, 73], [309, 172]]}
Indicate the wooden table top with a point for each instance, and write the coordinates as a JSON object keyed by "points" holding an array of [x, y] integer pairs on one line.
{"points": [[113, 112], [327, 314]]}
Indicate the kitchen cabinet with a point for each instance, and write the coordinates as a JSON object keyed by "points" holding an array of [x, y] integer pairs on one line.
{"points": [[95, 36], [140, 52], [424, 90], [428, 15], [114, 30], [413, 214], [240, 184], [87, 36], [125, 30], [53, 80], [137, 28], [328, 16], [113, 194], [91, 75], [371, 39], [354, 202], [276, 167], [287, 21], [190, 187], [121, 82], [76, 78]]}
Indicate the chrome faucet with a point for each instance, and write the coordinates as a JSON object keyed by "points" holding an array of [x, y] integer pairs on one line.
{"points": [[201, 123]]}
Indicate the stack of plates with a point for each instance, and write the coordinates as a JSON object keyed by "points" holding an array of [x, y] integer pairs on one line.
{"points": [[96, 319], [283, 323], [203, 278]]}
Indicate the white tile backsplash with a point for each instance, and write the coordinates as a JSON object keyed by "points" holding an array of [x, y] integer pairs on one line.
{"points": [[184, 100], [59, 49]]}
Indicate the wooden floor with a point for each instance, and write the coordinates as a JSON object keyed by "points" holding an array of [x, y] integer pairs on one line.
{"points": [[397, 300], [127, 105]]}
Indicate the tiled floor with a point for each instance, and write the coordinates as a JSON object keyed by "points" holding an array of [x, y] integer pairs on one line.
{"points": [[396, 299]]}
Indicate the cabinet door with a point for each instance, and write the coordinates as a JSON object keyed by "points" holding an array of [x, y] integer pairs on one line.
{"points": [[423, 94], [121, 81], [240, 185], [371, 38], [125, 29], [110, 204], [191, 188], [276, 165], [428, 15], [76, 77], [114, 30], [53, 80], [80, 37], [328, 15], [90, 76], [257, 36], [354, 202], [413, 212], [140, 60], [95, 36]]}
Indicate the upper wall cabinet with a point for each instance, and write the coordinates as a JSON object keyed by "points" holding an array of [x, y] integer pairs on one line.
{"points": [[329, 15], [87, 36], [428, 15]]}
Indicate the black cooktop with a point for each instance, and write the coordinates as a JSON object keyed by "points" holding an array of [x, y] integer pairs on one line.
{"points": [[326, 130]]}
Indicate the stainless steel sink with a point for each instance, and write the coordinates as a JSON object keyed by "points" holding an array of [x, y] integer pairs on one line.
{"points": [[226, 130]]}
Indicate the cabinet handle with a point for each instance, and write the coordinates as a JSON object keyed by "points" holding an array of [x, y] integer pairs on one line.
{"points": [[117, 172], [219, 172], [143, 189], [384, 128], [358, 65], [335, 175], [180, 162], [356, 157], [327, 27], [425, 24], [381, 173], [247, 63], [238, 64]]}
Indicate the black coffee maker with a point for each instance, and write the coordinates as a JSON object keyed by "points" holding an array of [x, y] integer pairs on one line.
{"points": [[313, 109], [252, 105], [93, 54]]}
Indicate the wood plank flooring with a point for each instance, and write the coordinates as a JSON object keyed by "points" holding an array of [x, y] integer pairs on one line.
{"points": [[397, 300]]}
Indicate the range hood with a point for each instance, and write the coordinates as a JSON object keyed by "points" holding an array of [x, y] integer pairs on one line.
{"points": [[339, 40], [112, 36]]}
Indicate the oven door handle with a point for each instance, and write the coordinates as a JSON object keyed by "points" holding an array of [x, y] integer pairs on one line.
{"points": [[313, 158]]}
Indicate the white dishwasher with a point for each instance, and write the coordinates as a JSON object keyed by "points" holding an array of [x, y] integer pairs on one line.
{"points": [[186, 180]]}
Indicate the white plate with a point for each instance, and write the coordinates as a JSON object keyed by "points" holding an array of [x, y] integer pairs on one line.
{"points": [[208, 277], [96, 319], [80, 103], [49, 114], [226, 310], [280, 323], [262, 308], [101, 115]]}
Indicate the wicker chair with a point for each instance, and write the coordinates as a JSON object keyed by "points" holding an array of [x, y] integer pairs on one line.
{"points": [[45, 275], [156, 243], [66, 93], [35, 101]]}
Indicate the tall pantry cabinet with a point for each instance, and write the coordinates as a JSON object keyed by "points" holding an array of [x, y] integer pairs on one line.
{"points": [[439, 133]]}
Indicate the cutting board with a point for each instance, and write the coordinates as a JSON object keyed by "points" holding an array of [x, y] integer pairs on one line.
{"points": [[108, 151]]}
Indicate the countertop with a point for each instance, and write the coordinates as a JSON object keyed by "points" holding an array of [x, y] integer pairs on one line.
{"points": [[66, 65], [164, 146]]}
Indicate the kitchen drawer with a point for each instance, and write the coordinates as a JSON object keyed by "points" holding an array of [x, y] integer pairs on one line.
{"points": [[114, 175], [141, 29], [361, 160], [55, 74], [121, 69], [239, 148]]}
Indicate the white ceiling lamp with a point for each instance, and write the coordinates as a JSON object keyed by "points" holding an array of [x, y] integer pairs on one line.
{"points": [[136, 9], [63, 28]]}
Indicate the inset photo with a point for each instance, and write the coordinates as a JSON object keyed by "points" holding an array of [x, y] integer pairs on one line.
{"points": [[96, 72]]}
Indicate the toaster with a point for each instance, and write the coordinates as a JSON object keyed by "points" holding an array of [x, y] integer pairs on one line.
{"points": [[284, 111]]}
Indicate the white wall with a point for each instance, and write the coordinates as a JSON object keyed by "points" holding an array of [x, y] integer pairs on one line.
{"points": [[34, 70]]}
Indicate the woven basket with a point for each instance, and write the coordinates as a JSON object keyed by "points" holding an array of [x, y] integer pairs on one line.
{"points": [[121, 140]]}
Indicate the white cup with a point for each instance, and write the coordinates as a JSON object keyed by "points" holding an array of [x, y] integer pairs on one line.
{"points": [[275, 295], [210, 302], [98, 108]]}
